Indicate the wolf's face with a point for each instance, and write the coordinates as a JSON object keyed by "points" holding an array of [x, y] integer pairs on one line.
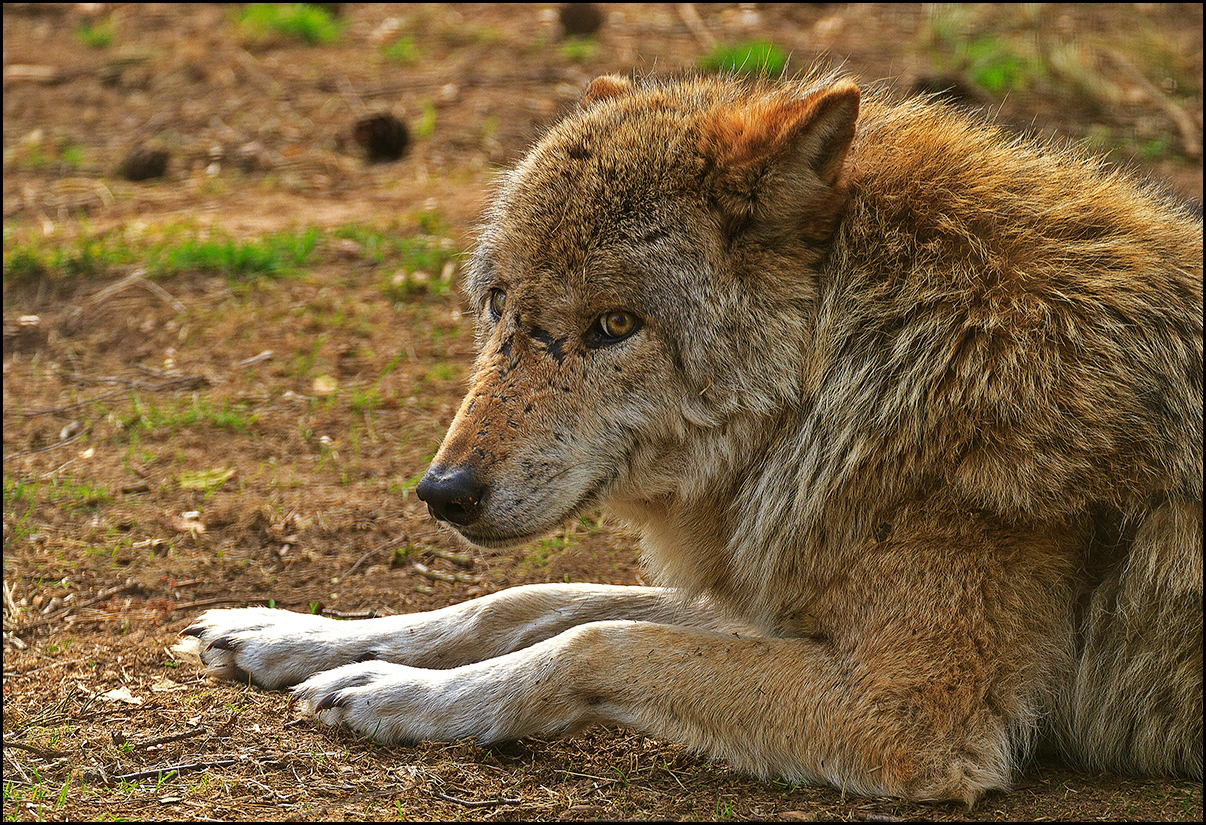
{"points": [[575, 378], [633, 283]]}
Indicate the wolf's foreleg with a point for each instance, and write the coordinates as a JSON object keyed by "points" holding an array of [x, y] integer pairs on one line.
{"points": [[278, 648], [788, 707]]}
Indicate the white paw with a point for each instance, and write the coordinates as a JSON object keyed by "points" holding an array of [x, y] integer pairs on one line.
{"points": [[272, 648], [385, 701]]}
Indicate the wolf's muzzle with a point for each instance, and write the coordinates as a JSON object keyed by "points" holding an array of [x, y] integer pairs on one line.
{"points": [[452, 494]]}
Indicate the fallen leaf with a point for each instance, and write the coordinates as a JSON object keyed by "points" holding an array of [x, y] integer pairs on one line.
{"points": [[121, 694], [205, 479]]}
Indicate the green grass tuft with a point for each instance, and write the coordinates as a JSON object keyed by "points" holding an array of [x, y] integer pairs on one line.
{"points": [[300, 22], [750, 57], [97, 35], [281, 253], [403, 50]]}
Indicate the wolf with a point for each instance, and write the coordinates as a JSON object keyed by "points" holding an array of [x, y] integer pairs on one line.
{"points": [[908, 413]]}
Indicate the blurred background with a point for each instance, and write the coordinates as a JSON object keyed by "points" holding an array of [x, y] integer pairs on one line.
{"points": [[237, 107]]}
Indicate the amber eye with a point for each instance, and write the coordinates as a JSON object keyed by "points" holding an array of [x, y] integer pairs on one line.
{"points": [[617, 324], [613, 327], [496, 301]]}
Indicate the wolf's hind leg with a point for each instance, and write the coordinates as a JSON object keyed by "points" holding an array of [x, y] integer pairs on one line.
{"points": [[1134, 704]]}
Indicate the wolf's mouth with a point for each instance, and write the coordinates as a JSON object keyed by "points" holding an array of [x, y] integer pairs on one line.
{"points": [[496, 539]]}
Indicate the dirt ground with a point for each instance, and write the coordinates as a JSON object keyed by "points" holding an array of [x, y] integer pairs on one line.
{"points": [[206, 434]]}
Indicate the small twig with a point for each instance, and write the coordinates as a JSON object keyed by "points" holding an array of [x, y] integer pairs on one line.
{"points": [[255, 71], [608, 779], [48, 447], [389, 545], [61, 467], [354, 100], [459, 559], [63, 409], [163, 294], [37, 74], [46, 752], [62, 612], [163, 740], [10, 603], [184, 381], [57, 713], [58, 663], [79, 378], [219, 600], [172, 374], [440, 576], [350, 614], [255, 359], [280, 795], [695, 25], [1190, 136], [188, 766], [480, 803], [102, 295], [107, 594], [25, 780]]}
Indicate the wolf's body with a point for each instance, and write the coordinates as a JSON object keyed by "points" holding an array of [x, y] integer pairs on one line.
{"points": [[908, 412]]}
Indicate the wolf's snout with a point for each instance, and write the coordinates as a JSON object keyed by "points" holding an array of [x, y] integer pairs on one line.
{"points": [[452, 494]]}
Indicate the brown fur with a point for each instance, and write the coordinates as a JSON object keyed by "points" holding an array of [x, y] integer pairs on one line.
{"points": [[916, 402]]}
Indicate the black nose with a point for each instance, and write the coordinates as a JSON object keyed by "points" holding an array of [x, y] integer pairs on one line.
{"points": [[453, 495]]}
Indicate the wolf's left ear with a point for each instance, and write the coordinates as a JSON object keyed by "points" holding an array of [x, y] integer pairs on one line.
{"points": [[604, 87], [778, 155]]}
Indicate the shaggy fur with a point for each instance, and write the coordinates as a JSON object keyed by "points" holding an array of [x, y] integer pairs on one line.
{"points": [[907, 410]]}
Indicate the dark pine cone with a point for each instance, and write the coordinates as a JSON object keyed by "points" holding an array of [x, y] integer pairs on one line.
{"points": [[383, 137]]}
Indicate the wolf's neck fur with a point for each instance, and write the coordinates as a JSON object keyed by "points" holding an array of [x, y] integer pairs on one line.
{"points": [[693, 537]]}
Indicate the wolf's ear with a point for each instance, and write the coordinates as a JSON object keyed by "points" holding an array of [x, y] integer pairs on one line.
{"points": [[604, 87], [775, 156]]}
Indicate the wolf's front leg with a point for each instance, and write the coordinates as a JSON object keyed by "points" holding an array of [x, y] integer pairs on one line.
{"points": [[279, 648], [771, 706]]}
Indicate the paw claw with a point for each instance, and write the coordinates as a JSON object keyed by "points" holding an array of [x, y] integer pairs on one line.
{"points": [[193, 630], [223, 643], [331, 700]]}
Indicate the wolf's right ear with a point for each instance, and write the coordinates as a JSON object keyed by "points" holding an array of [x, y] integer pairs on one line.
{"points": [[605, 87]]}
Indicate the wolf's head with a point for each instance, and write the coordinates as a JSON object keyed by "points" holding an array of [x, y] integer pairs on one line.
{"points": [[647, 272]]}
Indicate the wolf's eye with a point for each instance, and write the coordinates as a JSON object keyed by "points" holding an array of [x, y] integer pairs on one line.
{"points": [[617, 324], [612, 327], [496, 301]]}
